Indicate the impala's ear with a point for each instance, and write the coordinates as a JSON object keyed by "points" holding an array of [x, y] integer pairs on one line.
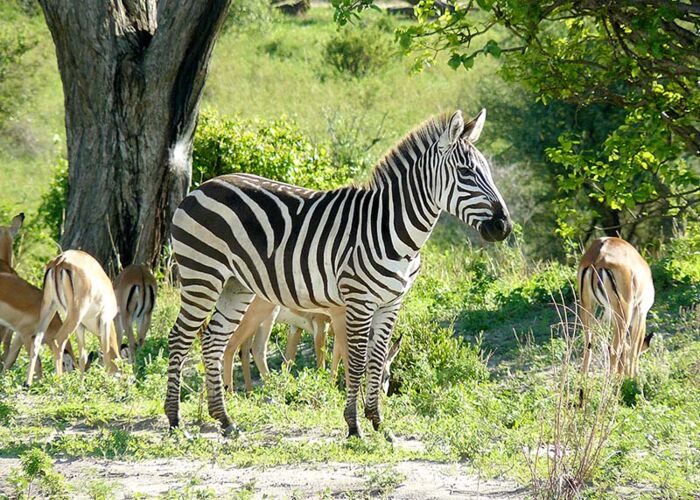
{"points": [[455, 127], [393, 351], [473, 129], [16, 224]]}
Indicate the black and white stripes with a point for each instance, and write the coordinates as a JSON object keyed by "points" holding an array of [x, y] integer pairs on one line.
{"points": [[354, 249]]}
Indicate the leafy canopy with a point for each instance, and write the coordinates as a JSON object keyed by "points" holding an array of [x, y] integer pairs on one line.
{"points": [[637, 56]]}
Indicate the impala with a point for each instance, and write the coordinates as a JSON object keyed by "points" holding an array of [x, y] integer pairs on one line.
{"points": [[76, 284], [615, 278], [20, 305], [135, 289], [7, 237]]}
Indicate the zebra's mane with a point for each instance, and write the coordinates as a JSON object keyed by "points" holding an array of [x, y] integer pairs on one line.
{"points": [[411, 146]]}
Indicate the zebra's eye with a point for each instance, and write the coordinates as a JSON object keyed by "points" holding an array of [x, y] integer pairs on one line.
{"points": [[464, 169]]}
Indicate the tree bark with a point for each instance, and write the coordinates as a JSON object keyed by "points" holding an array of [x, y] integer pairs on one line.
{"points": [[133, 73]]}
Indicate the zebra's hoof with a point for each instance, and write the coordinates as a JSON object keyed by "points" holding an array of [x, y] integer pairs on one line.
{"points": [[389, 436], [231, 431], [354, 432]]}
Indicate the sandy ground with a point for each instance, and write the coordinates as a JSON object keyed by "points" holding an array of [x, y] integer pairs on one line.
{"points": [[415, 479]]}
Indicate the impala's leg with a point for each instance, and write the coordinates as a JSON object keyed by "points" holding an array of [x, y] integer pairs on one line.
{"points": [[108, 341], [230, 308], [34, 346], [621, 343], [258, 310], [638, 334], [382, 326], [358, 322], [82, 352], [13, 350], [6, 340], [259, 346], [293, 339], [320, 334], [340, 345], [197, 298], [245, 364], [587, 316]]}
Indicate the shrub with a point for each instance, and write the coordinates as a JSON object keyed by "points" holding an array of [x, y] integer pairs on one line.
{"points": [[357, 52], [432, 359], [37, 478], [249, 15], [276, 150]]}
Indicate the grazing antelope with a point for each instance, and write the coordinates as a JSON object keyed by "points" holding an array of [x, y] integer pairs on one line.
{"points": [[7, 237], [135, 289], [615, 278], [352, 252], [20, 307], [76, 284]]}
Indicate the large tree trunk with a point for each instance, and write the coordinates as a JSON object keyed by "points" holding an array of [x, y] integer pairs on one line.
{"points": [[133, 73]]}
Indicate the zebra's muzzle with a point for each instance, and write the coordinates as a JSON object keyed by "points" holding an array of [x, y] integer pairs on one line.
{"points": [[496, 229]]}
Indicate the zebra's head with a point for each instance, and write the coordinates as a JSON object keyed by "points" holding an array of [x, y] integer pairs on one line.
{"points": [[468, 190]]}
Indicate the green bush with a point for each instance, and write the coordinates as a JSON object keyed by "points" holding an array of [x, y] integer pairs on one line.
{"points": [[432, 360], [249, 15], [53, 203], [276, 150], [357, 52]]}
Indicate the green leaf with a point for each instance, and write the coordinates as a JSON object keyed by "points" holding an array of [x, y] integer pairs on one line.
{"points": [[455, 61], [468, 61], [492, 48]]}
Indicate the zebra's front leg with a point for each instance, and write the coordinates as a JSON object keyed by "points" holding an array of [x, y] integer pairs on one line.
{"points": [[358, 320], [230, 308], [382, 326]]}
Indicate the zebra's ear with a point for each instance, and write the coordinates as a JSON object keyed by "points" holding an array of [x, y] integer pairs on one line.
{"points": [[455, 128], [473, 129]]}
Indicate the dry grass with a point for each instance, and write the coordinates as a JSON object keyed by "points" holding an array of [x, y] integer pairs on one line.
{"points": [[580, 420]]}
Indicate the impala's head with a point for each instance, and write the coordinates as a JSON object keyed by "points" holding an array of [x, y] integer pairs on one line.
{"points": [[469, 192], [7, 235], [390, 357]]}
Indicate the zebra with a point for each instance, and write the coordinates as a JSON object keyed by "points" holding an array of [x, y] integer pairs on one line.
{"points": [[353, 250]]}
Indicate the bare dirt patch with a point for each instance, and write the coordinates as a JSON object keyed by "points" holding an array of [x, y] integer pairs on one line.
{"points": [[410, 480]]}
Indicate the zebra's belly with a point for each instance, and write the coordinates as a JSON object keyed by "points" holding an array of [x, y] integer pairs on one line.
{"points": [[307, 290]]}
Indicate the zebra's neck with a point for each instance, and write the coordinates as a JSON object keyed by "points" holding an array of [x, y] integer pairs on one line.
{"points": [[404, 209]]}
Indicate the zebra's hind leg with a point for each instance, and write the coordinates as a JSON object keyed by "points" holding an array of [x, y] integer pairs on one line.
{"points": [[197, 299], [230, 308], [382, 326]]}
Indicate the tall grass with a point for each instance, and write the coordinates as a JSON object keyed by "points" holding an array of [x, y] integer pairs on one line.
{"points": [[577, 426]]}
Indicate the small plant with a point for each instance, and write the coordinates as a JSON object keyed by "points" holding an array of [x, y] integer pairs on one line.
{"points": [[577, 421], [98, 489], [37, 477], [383, 481], [357, 52]]}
